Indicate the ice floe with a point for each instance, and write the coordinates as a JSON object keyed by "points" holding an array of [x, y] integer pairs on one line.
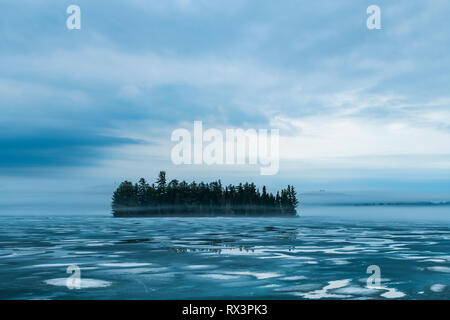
{"points": [[124, 264], [85, 283], [438, 287]]}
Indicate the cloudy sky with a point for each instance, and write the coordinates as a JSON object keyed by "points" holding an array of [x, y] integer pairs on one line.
{"points": [[359, 111]]}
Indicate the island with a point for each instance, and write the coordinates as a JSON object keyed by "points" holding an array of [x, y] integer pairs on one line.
{"points": [[182, 199]]}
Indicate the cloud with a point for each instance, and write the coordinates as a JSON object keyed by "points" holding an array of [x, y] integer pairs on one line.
{"points": [[101, 65], [333, 137], [343, 96], [55, 148]]}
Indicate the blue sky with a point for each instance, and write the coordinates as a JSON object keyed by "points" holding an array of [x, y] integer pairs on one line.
{"points": [[359, 111]]}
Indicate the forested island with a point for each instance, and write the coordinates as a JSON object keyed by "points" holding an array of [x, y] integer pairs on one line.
{"points": [[180, 199]]}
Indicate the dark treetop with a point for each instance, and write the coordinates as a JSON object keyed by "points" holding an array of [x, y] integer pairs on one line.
{"points": [[199, 199]]}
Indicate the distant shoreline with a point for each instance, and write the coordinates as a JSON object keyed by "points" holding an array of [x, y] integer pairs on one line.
{"points": [[384, 204]]}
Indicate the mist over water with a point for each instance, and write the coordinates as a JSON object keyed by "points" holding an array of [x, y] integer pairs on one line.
{"points": [[323, 254], [387, 213]]}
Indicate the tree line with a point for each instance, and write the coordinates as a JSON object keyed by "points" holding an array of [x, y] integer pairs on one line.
{"points": [[176, 198]]}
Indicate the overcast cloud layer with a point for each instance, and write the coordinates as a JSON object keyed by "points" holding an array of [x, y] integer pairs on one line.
{"points": [[357, 109]]}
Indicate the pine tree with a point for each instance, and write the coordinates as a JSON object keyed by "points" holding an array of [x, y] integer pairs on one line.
{"points": [[181, 198]]}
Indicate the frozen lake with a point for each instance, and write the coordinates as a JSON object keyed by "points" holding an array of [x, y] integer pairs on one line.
{"points": [[229, 258]]}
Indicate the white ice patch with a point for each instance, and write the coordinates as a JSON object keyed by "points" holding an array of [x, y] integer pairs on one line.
{"points": [[392, 293], [323, 293], [435, 260], [270, 286], [354, 290], [52, 265], [439, 269], [85, 283], [294, 278], [217, 276], [438, 287], [260, 275], [124, 264], [199, 266]]}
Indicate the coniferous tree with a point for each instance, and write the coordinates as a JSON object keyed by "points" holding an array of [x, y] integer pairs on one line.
{"points": [[125, 199], [183, 199]]}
